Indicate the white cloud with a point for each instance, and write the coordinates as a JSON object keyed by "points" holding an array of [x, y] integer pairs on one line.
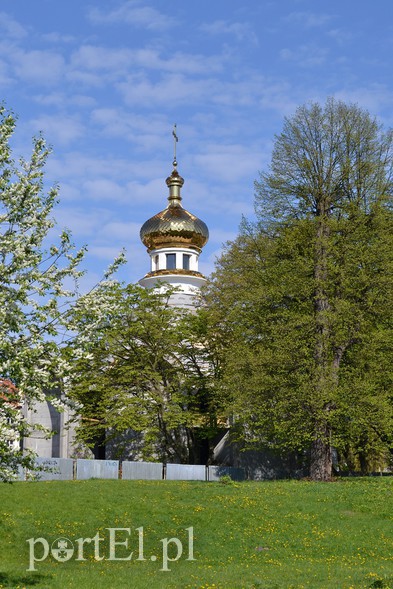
{"points": [[341, 36], [154, 191], [171, 89], [79, 166], [124, 231], [133, 13], [98, 58], [39, 67], [228, 162], [5, 75], [214, 202], [305, 55], [11, 27], [105, 252], [241, 31], [104, 189], [148, 132], [80, 221], [309, 19], [116, 62], [278, 95], [68, 192], [87, 79], [51, 99], [246, 91], [207, 267], [58, 130], [377, 98], [62, 100], [58, 38], [89, 280], [219, 202], [218, 235]]}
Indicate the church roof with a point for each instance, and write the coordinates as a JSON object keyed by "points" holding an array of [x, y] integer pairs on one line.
{"points": [[174, 226]]}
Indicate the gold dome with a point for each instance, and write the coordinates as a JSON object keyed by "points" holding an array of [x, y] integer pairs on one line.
{"points": [[174, 226]]}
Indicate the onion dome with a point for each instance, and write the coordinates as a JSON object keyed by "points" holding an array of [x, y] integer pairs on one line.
{"points": [[174, 226]]}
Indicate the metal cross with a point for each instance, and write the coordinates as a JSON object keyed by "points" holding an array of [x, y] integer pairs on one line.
{"points": [[175, 140]]}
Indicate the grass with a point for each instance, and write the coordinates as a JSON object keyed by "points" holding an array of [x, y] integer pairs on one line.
{"points": [[268, 535]]}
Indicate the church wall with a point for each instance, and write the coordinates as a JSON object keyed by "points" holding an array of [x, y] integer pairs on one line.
{"points": [[45, 415], [60, 444]]}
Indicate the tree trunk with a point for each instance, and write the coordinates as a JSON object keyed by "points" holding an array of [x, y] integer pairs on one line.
{"points": [[321, 456]]}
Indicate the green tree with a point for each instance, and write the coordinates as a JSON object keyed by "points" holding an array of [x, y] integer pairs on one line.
{"points": [[34, 299], [145, 377], [307, 291]]}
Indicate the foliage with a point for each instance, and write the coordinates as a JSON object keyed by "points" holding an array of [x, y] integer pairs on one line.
{"points": [[37, 285], [226, 479], [307, 291], [290, 534], [145, 377]]}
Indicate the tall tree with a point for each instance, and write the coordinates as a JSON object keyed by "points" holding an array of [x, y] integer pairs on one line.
{"points": [[35, 295], [308, 290], [145, 378]]}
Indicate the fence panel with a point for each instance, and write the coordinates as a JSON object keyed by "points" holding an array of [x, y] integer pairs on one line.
{"points": [[97, 469], [147, 471], [56, 469], [186, 472], [214, 473]]}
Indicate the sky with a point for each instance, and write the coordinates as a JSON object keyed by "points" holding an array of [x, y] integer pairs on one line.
{"points": [[105, 81]]}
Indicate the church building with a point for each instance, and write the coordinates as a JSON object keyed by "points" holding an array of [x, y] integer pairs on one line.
{"points": [[174, 239]]}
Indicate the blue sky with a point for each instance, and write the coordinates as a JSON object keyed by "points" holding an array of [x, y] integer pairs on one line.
{"points": [[106, 81]]}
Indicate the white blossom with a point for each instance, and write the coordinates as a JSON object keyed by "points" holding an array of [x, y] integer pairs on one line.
{"points": [[35, 304]]}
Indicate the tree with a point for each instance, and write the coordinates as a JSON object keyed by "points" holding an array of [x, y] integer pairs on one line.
{"points": [[34, 300], [307, 291], [143, 384]]}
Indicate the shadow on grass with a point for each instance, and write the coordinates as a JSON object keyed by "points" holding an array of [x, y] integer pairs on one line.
{"points": [[381, 584], [10, 580]]}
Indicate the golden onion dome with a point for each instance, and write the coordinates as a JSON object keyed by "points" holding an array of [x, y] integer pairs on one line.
{"points": [[174, 226]]}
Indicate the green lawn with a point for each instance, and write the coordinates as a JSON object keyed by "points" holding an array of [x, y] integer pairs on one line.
{"points": [[287, 534]]}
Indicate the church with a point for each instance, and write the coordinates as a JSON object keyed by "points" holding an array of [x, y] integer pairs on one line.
{"points": [[174, 239]]}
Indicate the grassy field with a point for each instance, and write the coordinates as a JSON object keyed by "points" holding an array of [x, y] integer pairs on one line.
{"points": [[270, 535]]}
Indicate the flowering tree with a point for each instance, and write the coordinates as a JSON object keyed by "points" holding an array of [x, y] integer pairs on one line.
{"points": [[34, 301], [145, 380]]}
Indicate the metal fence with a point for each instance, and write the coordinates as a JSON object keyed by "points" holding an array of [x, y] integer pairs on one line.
{"points": [[67, 469]]}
